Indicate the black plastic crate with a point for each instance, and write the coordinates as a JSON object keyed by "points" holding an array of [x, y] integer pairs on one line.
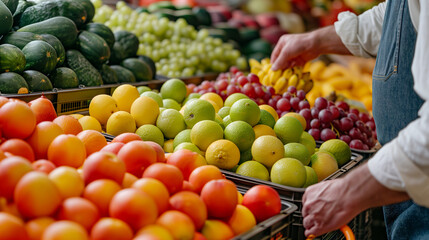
{"points": [[294, 195], [276, 227]]}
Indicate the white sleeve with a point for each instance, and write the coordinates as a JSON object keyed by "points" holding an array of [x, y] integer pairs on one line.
{"points": [[403, 164], [361, 34]]}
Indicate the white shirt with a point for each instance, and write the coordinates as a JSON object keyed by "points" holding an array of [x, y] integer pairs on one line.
{"points": [[403, 163]]}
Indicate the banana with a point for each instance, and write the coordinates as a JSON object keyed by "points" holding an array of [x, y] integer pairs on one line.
{"points": [[316, 68], [265, 80], [274, 76], [265, 61], [308, 86], [293, 80], [305, 76], [281, 85], [287, 73], [298, 71], [301, 84], [253, 63]]}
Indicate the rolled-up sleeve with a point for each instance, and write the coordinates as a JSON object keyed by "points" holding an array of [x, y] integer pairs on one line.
{"points": [[361, 34], [403, 164]]}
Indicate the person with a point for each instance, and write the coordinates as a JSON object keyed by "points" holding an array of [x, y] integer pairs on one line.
{"points": [[397, 176]]}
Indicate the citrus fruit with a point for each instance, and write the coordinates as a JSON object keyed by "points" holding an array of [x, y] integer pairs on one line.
{"points": [[187, 145], [267, 119], [111, 228], [297, 151], [271, 110], [241, 134], [263, 201], [94, 141], [220, 197], [144, 110], [339, 149], [183, 136], [289, 172], [205, 132], [156, 189], [169, 146], [155, 96], [190, 204], [223, 154], [231, 99], [215, 106], [242, 220], [142, 89], [67, 150], [125, 95], [224, 111], [216, 229], [253, 169], [17, 120], [191, 96], [170, 103], [245, 156], [308, 141], [153, 231], [68, 180], [79, 210], [69, 124], [219, 120], [311, 177], [76, 115], [120, 122], [298, 116], [324, 164], [226, 121], [65, 229], [186, 161], [288, 129], [178, 224], [262, 130], [90, 123], [198, 110], [174, 89], [149, 132], [245, 110], [170, 122], [213, 97], [168, 174], [101, 107], [267, 150]]}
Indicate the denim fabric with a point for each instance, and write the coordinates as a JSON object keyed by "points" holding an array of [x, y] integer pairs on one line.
{"points": [[395, 104]]}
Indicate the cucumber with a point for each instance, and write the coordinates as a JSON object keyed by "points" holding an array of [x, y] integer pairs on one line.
{"points": [[108, 74], [40, 56], [37, 81], [86, 73], [12, 59], [5, 18], [12, 83], [124, 75], [64, 78]]}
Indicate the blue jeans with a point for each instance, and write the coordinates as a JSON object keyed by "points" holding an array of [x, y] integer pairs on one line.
{"points": [[395, 105]]}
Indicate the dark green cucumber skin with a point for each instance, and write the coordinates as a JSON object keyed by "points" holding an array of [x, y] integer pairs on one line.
{"points": [[61, 27], [108, 74], [124, 75], [103, 31], [40, 56], [149, 62], [128, 41], [20, 39], [93, 47], [22, 5], [11, 82], [53, 8], [57, 45], [64, 78], [12, 59], [139, 68], [89, 8], [86, 73], [117, 54], [6, 19], [37, 81], [11, 5]]}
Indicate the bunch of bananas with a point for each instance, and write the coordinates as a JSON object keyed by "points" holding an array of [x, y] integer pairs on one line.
{"points": [[280, 80]]}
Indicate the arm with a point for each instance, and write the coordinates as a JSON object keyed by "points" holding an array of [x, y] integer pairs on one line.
{"points": [[331, 204]]}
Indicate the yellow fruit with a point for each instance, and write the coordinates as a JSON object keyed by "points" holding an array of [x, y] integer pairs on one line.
{"points": [[150, 132], [293, 80], [316, 69], [144, 110], [120, 122], [298, 116], [76, 115], [324, 164], [339, 149], [271, 110], [253, 169], [206, 132], [168, 146], [281, 85], [90, 123], [189, 146], [213, 97], [308, 141], [289, 172], [223, 154], [262, 130], [171, 104], [242, 220], [267, 150], [101, 107], [287, 73], [125, 95], [311, 177], [215, 106]]}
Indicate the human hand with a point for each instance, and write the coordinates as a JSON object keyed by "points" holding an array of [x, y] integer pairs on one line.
{"points": [[327, 207]]}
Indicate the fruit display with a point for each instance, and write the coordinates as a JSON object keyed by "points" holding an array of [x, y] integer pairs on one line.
{"points": [[54, 44], [60, 181], [176, 47]]}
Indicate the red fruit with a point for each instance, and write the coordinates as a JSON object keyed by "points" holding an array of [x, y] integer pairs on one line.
{"points": [[263, 201], [43, 109], [220, 197], [103, 165]]}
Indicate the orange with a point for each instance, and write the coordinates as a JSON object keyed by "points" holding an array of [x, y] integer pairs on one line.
{"points": [[69, 124], [37, 226], [160, 155], [242, 220], [68, 181], [79, 210], [187, 186], [12, 169], [45, 196], [94, 141], [190, 204], [111, 229], [201, 175], [217, 230], [18, 147], [67, 150], [100, 192], [186, 161], [220, 197], [65, 230], [128, 180], [17, 120], [41, 138], [112, 147], [2, 154], [156, 189], [126, 137], [134, 207], [137, 156], [153, 232], [178, 223], [12, 227], [43, 165], [263, 201], [169, 175], [199, 236], [11, 208]]}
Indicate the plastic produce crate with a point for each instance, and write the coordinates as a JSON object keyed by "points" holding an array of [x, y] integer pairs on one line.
{"points": [[294, 195]]}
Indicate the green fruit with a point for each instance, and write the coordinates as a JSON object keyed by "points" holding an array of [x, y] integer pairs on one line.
{"points": [[149, 132], [155, 96], [267, 119], [40, 56], [183, 136], [245, 110], [297, 151], [12, 59], [64, 78], [289, 172], [175, 89], [288, 129], [12, 83], [198, 110], [241, 134], [37, 81], [253, 169], [339, 149], [171, 122]]}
